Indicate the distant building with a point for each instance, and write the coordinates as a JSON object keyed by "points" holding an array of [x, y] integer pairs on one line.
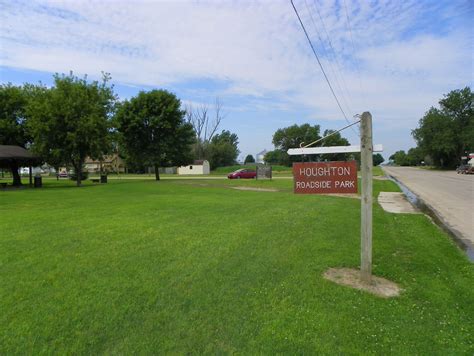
{"points": [[260, 157], [108, 163], [198, 168]]}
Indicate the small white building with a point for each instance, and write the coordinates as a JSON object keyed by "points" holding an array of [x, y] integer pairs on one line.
{"points": [[198, 168]]}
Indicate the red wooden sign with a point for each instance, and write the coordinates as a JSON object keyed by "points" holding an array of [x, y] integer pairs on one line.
{"points": [[325, 177]]}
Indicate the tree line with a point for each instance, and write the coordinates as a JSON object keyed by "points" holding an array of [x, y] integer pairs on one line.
{"points": [[444, 134], [295, 135], [76, 118]]}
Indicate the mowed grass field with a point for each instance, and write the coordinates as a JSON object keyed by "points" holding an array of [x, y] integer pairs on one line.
{"points": [[193, 266]]}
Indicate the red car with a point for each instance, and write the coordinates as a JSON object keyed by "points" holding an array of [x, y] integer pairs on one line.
{"points": [[242, 173]]}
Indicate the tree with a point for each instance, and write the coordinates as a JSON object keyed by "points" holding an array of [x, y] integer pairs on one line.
{"points": [[13, 129], [334, 140], [223, 150], [445, 134], [249, 159], [293, 137], [436, 137], [205, 126], [277, 157], [399, 158], [71, 121], [414, 156], [378, 159], [153, 131]]}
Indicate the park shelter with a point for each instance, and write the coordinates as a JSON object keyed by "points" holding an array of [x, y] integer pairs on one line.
{"points": [[14, 157]]}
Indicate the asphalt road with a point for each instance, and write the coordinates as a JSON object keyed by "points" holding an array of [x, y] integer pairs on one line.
{"points": [[449, 194]]}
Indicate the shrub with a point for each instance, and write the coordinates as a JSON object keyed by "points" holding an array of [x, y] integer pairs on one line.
{"points": [[84, 175]]}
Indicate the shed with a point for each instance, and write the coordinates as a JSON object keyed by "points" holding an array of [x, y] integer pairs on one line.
{"points": [[13, 157], [198, 167]]}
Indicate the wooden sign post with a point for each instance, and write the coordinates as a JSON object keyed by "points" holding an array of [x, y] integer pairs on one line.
{"points": [[366, 158], [366, 148]]}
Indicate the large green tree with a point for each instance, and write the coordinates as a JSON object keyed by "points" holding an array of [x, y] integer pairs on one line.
{"points": [[292, 137], [334, 140], [447, 133], [153, 131], [414, 156], [13, 129], [71, 120], [223, 149], [301, 135], [277, 157]]}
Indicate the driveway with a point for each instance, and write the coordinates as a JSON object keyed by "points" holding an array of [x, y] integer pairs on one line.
{"points": [[449, 194]]}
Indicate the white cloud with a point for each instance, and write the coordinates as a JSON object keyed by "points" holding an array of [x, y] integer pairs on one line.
{"points": [[256, 49]]}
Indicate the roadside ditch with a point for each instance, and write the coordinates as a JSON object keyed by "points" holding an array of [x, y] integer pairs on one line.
{"points": [[417, 202]]}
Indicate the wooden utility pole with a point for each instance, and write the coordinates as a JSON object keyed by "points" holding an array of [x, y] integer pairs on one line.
{"points": [[366, 157]]}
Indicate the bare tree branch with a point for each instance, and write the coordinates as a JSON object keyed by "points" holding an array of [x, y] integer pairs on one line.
{"points": [[204, 128]]}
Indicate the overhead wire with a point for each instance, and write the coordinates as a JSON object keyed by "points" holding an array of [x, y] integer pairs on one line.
{"points": [[333, 132], [320, 64], [333, 51], [354, 53], [331, 66]]}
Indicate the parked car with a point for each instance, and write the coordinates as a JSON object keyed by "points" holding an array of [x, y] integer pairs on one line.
{"points": [[460, 169], [242, 173], [465, 169]]}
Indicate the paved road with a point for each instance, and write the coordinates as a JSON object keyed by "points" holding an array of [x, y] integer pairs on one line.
{"points": [[449, 194]]}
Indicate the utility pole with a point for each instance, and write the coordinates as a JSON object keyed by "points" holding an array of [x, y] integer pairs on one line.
{"points": [[366, 156]]}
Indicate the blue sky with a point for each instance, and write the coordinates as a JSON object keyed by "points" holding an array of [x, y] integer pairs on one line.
{"points": [[253, 56]]}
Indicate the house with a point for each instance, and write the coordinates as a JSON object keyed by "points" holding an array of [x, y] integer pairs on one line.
{"points": [[260, 157], [109, 163], [198, 168]]}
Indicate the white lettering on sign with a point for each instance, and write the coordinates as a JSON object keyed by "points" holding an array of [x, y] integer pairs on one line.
{"points": [[325, 177], [325, 171], [324, 184], [344, 184]]}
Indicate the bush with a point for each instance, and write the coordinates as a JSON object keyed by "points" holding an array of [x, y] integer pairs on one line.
{"points": [[84, 175]]}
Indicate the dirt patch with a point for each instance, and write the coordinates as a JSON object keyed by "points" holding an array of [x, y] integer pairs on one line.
{"points": [[380, 178], [340, 195], [381, 287], [256, 189]]}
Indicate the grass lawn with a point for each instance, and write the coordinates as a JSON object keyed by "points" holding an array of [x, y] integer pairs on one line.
{"points": [[229, 169], [180, 266]]}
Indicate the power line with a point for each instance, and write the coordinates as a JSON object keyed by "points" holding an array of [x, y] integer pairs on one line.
{"points": [[354, 52], [336, 79], [319, 62], [328, 135], [333, 51]]}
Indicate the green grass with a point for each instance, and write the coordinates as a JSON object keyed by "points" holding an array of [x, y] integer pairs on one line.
{"points": [[229, 169], [377, 171], [177, 266]]}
